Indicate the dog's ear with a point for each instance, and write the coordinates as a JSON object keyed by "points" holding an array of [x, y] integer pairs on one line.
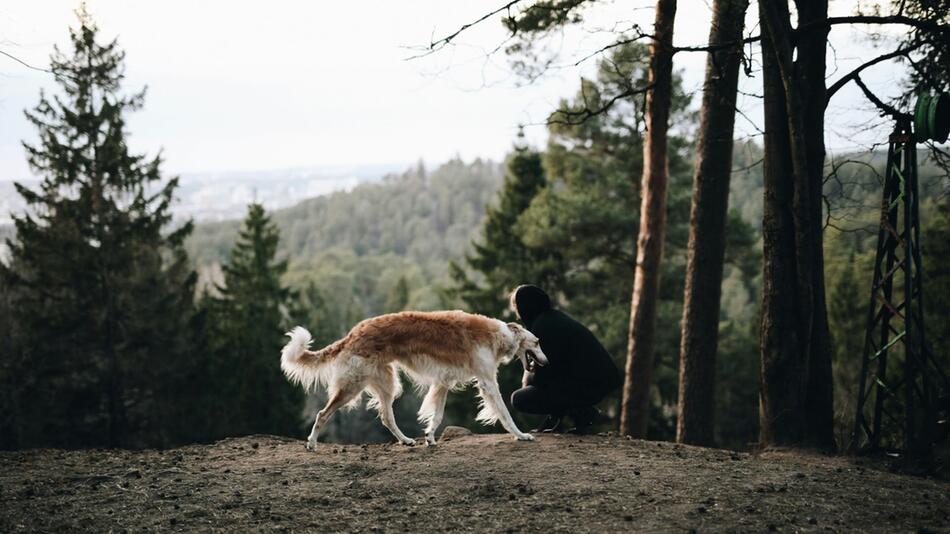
{"points": [[516, 328]]}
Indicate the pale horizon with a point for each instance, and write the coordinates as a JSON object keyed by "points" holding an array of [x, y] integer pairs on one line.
{"points": [[235, 87]]}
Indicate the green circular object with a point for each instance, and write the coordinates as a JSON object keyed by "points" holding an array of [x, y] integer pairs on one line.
{"points": [[940, 123], [932, 117], [921, 110]]}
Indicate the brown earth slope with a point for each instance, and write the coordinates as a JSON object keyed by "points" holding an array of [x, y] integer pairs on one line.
{"points": [[471, 483]]}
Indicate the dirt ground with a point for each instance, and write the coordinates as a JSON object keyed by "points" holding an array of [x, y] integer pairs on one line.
{"points": [[475, 483]]}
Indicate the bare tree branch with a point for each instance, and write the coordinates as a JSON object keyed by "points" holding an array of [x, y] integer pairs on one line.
{"points": [[55, 74], [575, 117], [922, 24], [892, 19], [25, 64], [845, 206], [438, 44], [886, 109], [720, 46], [854, 73], [750, 95], [638, 35], [750, 121], [752, 165]]}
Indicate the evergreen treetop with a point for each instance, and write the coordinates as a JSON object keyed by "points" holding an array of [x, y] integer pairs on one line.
{"points": [[248, 320], [82, 154], [252, 273], [499, 255], [102, 293]]}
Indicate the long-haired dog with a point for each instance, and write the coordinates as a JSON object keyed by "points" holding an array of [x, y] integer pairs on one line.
{"points": [[439, 350]]}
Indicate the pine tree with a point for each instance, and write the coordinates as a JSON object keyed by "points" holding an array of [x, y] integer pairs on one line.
{"points": [[500, 257], [501, 261], [572, 234], [589, 210], [398, 297], [100, 286], [249, 317]]}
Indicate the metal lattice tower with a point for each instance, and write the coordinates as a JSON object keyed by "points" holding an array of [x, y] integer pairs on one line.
{"points": [[900, 382]]}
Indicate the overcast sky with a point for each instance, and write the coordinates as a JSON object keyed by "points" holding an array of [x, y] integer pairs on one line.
{"points": [[242, 85]]}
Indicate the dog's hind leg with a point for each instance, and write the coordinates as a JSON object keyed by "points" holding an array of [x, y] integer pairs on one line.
{"points": [[338, 398], [432, 410], [495, 408], [385, 387]]}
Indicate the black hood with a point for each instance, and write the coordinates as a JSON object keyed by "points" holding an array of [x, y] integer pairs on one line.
{"points": [[531, 301]]}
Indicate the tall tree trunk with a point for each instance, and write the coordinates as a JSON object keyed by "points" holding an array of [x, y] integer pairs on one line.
{"points": [[646, 282], [796, 396], [812, 47], [707, 227]]}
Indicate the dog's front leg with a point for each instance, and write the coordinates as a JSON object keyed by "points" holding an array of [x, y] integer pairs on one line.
{"points": [[492, 395]]}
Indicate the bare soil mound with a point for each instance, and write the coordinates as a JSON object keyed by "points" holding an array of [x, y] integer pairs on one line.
{"points": [[470, 483]]}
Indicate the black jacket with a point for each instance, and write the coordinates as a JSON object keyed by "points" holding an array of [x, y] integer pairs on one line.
{"points": [[578, 364]]}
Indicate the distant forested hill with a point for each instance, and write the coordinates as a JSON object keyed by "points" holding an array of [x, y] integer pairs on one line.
{"points": [[426, 216], [356, 246]]}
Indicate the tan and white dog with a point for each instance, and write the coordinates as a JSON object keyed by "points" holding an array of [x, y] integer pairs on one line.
{"points": [[439, 350]]}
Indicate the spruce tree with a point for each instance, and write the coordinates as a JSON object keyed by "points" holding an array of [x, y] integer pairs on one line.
{"points": [[500, 262], [398, 297], [589, 209], [99, 285], [251, 314], [500, 258], [565, 218]]}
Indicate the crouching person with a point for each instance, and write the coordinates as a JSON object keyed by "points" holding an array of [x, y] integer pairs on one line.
{"points": [[579, 374]]}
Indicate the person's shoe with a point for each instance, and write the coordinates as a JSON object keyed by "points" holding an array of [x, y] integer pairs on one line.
{"points": [[551, 424], [584, 420]]}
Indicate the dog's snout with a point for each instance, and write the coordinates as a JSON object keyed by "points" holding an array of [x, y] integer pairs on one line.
{"points": [[538, 357], [542, 359]]}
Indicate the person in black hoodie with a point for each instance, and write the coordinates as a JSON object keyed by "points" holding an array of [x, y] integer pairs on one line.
{"points": [[580, 371]]}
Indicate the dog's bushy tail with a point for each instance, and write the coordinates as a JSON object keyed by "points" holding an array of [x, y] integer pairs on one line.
{"points": [[300, 364]]}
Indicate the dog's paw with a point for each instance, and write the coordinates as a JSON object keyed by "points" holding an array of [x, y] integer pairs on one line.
{"points": [[526, 437], [430, 441], [408, 442], [311, 446]]}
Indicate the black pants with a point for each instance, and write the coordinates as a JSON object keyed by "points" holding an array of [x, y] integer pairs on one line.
{"points": [[550, 401]]}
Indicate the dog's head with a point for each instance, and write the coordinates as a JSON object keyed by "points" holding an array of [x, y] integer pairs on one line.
{"points": [[527, 347]]}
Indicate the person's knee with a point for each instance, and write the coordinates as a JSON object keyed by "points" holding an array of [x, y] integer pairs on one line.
{"points": [[530, 400], [519, 398]]}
